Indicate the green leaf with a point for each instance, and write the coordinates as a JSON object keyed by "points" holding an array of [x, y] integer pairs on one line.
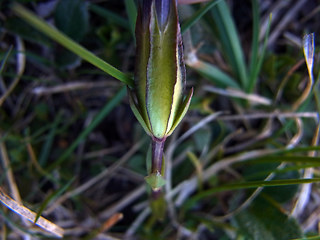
{"points": [[52, 197], [264, 220], [181, 112], [47, 146], [256, 61], [246, 185], [155, 180], [132, 15], [72, 18], [197, 15], [214, 74], [144, 122], [280, 194], [70, 44], [230, 41]]}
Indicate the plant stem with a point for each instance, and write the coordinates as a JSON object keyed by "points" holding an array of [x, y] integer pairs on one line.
{"points": [[157, 153]]}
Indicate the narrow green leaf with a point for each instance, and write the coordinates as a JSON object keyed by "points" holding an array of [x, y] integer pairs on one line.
{"points": [[308, 238], [144, 122], [256, 62], [132, 14], [5, 59], [197, 15], [230, 41], [292, 159], [46, 149], [255, 40], [181, 112], [246, 185], [214, 74], [52, 197], [68, 43]]}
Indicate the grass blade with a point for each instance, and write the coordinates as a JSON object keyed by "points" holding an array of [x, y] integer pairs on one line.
{"points": [[256, 62], [197, 15], [132, 14], [52, 197], [68, 43], [213, 74], [247, 185], [230, 41]]}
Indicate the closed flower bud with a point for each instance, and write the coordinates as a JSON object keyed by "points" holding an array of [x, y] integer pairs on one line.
{"points": [[157, 98]]}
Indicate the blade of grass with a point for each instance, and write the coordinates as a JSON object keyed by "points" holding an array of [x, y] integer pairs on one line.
{"points": [[52, 197], [68, 43], [132, 14], [45, 151], [246, 185], [255, 35], [260, 174], [98, 118], [256, 62], [292, 159], [230, 41], [5, 59], [197, 15], [213, 74], [308, 238]]}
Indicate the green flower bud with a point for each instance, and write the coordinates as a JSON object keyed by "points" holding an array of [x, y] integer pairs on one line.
{"points": [[157, 98]]}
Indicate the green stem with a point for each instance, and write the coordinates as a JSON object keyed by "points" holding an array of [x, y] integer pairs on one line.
{"points": [[157, 154]]}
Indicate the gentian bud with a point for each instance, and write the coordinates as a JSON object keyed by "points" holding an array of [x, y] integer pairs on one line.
{"points": [[157, 98]]}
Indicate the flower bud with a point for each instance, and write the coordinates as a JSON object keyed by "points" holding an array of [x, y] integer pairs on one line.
{"points": [[157, 98]]}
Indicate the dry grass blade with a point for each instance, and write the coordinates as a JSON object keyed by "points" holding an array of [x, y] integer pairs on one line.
{"points": [[305, 191], [254, 98], [109, 223], [308, 49], [31, 216]]}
